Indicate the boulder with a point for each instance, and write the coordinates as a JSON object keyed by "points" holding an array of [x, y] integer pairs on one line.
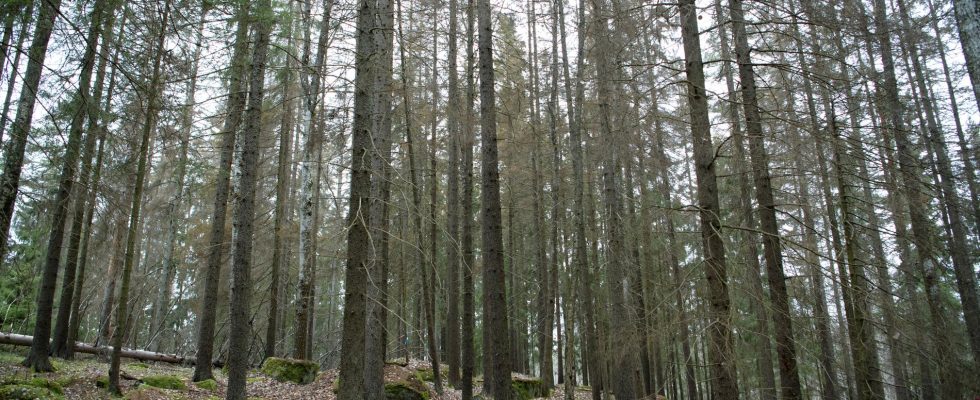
{"points": [[290, 370]]}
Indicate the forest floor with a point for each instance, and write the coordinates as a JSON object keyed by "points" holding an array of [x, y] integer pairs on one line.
{"points": [[84, 378]]}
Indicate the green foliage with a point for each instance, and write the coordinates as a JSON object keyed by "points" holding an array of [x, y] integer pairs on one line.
{"points": [[290, 370], [165, 382], [208, 384]]}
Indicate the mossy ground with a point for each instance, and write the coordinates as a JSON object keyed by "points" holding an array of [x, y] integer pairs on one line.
{"points": [[85, 378]]}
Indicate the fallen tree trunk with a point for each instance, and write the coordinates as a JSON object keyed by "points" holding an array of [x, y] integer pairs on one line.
{"points": [[25, 340]]}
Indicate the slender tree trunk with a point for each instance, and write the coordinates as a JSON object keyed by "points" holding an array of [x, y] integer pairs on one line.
{"points": [[25, 18], [720, 331], [243, 212], [430, 276], [161, 309], [454, 112], [958, 241], [13, 152], [45, 296], [283, 174], [149, 125], [468, 356], [772, 249], [310, 178], [216, 240]]}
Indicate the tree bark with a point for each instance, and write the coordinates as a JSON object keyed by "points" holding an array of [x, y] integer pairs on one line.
{"points": [[216, 238], [149, 125], [722, 356]]}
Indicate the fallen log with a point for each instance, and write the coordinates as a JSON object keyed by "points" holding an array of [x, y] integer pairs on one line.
{"points": [[143, 355]]}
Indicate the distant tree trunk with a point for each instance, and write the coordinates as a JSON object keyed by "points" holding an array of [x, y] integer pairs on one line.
{"points": [[243, 212], [722, 356], [494, 289], [216, 238], [37, 359], [310, 178], [117, 249], [968, 24], [468, 356], [149, 125], [352, 367], [161, 309]]}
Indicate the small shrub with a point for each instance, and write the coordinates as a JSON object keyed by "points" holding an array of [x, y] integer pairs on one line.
{"points": [[289, 370], [165, 382], [208, 384]]}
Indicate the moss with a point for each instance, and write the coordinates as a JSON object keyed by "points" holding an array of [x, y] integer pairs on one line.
{"points": [[425, 375], [208, 384], [403, 390], [41, 383], [102, 381], [139, 365], [165, 382], [528, 388], [27, 392], [289, 370]]}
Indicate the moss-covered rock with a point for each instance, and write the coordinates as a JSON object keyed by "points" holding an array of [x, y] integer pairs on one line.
{"points": [[165, 382], [406, 390], [528, 388], [207, 384], [27, 392], [42, 383], [102, 381], [290, 370]]}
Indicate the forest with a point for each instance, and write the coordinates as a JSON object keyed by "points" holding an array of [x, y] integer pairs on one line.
{"points": [[476, 199]]}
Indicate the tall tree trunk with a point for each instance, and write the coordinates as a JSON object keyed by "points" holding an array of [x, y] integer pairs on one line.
{"points": [[468, 356], [161, 309], [453, 114], [722, 356], [749, 239], [234, 107], [377, 327], [430, 276], [283, 182], [495, 326], [37, 359], [918, 213], [243, 212], [25, 18], [149, 125], [772, 249], [968, 24], [958, 241], [352, 367], [310, 178], [72, 280]]}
